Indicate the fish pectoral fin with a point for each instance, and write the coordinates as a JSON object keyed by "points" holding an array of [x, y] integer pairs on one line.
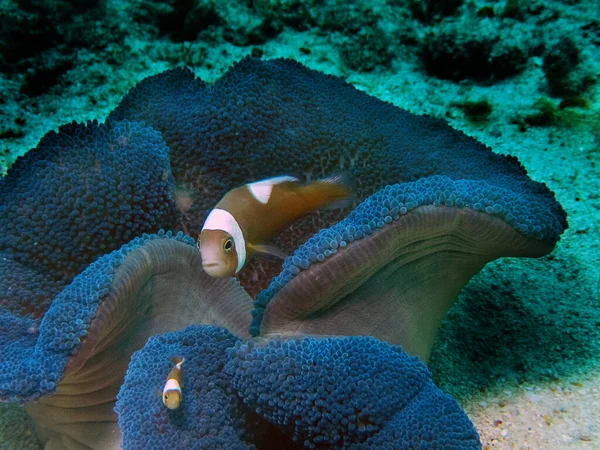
{"points": [[268, 250], [340, 204]]}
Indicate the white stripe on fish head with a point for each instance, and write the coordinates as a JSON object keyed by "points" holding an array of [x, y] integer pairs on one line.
{"points": [[261, 190], [171, 385], [219, 219]]}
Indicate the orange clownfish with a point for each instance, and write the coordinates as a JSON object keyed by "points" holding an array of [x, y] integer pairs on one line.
{"points": [[172, 390], [250, 216]]}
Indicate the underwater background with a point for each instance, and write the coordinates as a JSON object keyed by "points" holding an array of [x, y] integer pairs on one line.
{"points": [[520, 348]]}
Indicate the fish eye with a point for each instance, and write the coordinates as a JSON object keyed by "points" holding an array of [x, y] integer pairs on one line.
{"points": [[228, 245]]}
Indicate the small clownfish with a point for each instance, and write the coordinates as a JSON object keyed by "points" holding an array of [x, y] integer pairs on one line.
{"points": [[250, 216], [172, 391]]}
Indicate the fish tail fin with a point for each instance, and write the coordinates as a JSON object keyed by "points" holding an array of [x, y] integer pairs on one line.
{"points": [[344, 194]]}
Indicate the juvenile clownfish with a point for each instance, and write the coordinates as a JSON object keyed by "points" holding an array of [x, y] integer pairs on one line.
{"points": [[172, 391], [250, 216]]}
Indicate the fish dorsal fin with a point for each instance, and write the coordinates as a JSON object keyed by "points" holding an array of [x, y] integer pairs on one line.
{"points": [[268, 250], [176, 359], [261, 190]]}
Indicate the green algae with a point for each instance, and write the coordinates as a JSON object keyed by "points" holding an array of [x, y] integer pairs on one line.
{"points": [[519, 322], [16, 429]]}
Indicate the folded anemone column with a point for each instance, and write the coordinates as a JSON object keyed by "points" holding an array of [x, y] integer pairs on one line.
{"points": [[266, 118], [69, 366], [393, 267]]}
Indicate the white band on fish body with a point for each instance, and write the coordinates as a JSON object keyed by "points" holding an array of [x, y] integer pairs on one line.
{"points": [[261, 190], [171, 385], [219, 219]]}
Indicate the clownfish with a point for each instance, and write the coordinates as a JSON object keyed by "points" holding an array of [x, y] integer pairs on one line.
{"points": [[172, 391], [250, 216]]}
